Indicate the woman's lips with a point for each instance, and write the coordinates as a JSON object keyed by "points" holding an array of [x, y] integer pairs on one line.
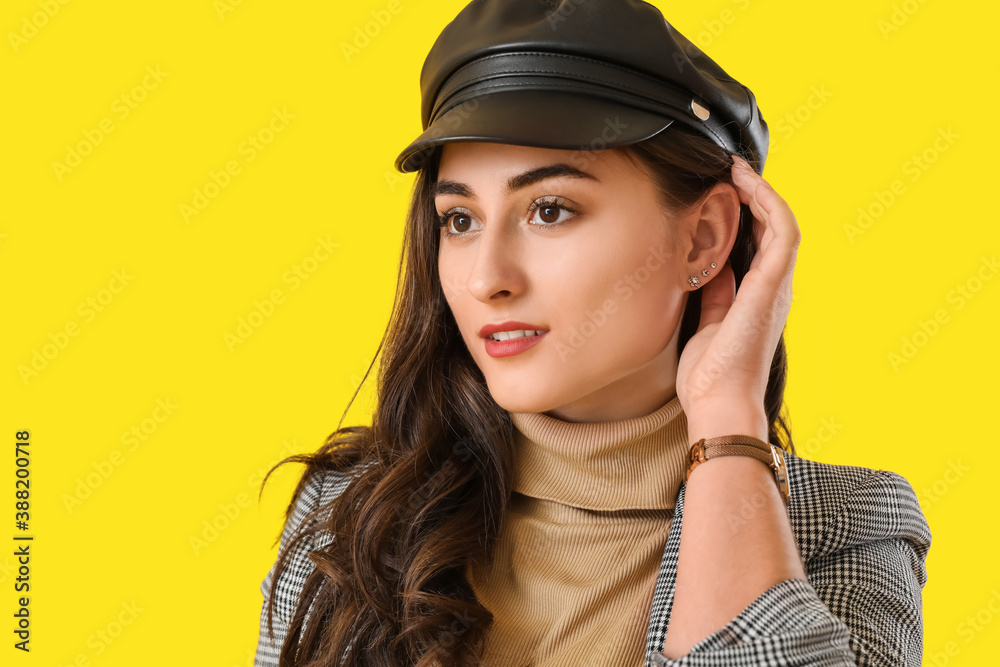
{"points": [[508, 348], [509, 325]]}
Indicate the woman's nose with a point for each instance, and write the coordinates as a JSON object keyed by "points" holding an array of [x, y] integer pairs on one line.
{"points": [[497, 266]]}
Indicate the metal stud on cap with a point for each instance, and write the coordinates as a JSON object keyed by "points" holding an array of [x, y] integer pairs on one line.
{"points": [[701, 112]]}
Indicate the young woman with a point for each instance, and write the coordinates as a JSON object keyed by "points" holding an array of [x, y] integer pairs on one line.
{"points": [[577, 455]]}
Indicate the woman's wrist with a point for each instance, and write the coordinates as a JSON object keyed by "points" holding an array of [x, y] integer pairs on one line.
{"points": [[732, 419]]}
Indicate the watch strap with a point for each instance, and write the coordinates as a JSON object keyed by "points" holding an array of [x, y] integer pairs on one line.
{"points": [[727, 449], [742, 445]]}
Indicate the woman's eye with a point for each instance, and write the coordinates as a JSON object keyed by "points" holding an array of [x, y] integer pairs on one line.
{"points": [[544, 213], [458, 221], [551, 213]]}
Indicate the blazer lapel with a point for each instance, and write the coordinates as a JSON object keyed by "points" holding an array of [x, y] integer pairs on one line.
{"points": [[663, 593]]}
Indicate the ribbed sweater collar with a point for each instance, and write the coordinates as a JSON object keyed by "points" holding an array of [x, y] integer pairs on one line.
{"points": [[635, 463]]}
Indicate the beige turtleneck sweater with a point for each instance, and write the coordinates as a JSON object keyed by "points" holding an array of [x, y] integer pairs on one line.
{"points": [[580, 547]]}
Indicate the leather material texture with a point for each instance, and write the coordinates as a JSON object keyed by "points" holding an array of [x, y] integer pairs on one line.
{"points": [[576, 75]]}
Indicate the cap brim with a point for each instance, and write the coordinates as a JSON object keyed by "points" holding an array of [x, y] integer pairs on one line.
{"points": [[538, 118]]}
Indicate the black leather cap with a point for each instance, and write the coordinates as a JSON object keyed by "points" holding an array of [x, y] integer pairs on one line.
{"points": [[576, 75]]}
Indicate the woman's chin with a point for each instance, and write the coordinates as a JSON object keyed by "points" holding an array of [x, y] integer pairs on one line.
{"points": [[519, 404], [516, 399]]}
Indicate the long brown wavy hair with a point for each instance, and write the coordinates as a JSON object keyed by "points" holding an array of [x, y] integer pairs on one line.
{"points": [[431, 476]]}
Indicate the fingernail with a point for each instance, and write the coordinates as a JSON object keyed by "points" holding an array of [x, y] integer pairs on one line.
{"points": [[740, 162]]}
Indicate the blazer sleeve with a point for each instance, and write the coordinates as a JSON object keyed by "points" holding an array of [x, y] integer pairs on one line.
{"points": [[319, 490], [864, 542]]}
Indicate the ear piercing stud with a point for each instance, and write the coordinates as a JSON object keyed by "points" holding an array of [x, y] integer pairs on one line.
{"points": [[694, 281]]}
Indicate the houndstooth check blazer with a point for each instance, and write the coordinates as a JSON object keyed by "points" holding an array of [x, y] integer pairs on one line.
{"points": [[862, 537]]}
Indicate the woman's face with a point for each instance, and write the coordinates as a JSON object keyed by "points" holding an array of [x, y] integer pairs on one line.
{"points": [[573, 244]]}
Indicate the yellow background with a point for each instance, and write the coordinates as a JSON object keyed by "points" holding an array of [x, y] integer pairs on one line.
{"points": [[852, 92]]}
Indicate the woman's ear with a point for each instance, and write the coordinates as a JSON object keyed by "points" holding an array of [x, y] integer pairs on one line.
{"points": [[713, 225]]}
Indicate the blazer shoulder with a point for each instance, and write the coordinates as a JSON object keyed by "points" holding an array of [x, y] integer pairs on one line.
{"points": [[321, 489], [838, 506], [318, 491]]}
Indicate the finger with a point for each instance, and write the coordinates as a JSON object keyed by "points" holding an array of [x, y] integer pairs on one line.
{"points": [[717, 296], [777, 236], [779, 224]]}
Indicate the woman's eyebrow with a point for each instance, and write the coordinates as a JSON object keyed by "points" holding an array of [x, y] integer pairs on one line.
{"points": [[518, 182]]}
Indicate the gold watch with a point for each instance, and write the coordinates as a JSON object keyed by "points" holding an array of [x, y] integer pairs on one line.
{"points": [[742, 445]]}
